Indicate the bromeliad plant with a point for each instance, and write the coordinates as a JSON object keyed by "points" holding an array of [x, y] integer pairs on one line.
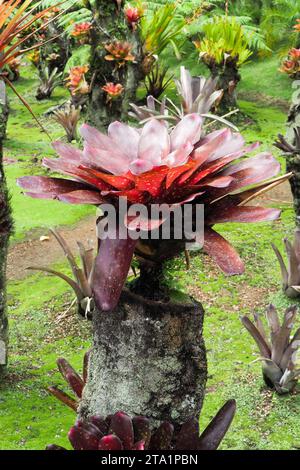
{"points": [[154, 165], [76, 80], [81, 284], [68, 117], [279, 352], [119, 52], [81, 32], [291, 65], [120, 432], [74, 381], [157, 81], [224, 48], [48, 82], [291, 273], [113, 90], [196, 94]]}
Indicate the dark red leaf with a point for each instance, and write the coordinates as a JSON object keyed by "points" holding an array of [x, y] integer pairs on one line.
{"points": [[211, 438], [121, 425], [245, 214], [111, 269], [110, 442], [142, 431], [188, 437], [222, 253], [70, 375], [54, 447], [82, 197], [161, 439], [84, 438]]}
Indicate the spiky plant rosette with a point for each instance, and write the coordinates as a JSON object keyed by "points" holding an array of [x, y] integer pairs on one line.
{"points": [[279, 351], [154, 165], [196, 95], [75, 382], [290, 272], [120, 432]]}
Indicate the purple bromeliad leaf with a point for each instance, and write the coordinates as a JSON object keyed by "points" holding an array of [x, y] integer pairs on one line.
{"points": [[111, 269]]}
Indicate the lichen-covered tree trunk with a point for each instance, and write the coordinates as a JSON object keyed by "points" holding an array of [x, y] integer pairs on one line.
{"points": [[293, 161], [109, 25], [5, 230], [148, 359]]}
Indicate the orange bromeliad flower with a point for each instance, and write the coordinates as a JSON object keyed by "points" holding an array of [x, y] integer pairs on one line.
{"points": [[113, 90], [291, 65], [120, 52], [76, 81], [81, 30], [133, 15]]}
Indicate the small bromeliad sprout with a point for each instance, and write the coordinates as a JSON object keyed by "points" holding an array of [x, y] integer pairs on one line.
{"points": [[74, 381], [76, 80], [133, 15], [113, 90], [68, 117], [286, 147], [81, 31], [120, 432], [82, 275], [291, 273], [48, 82], [279, 352], [119, 51]]}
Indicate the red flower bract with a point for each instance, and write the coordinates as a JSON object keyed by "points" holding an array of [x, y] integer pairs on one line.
{"points": [[156, 165]]}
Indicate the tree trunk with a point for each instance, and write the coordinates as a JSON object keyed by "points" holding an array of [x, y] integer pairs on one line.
{"points": [[148, 359], [228, 79], [5, 231], [293, 161], [109, 25]]}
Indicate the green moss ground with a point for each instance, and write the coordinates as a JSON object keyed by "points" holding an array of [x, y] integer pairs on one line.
{"points": [[30, 418]]}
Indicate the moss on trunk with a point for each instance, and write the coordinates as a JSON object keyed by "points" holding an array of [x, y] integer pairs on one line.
{"points": [[5, 231]]}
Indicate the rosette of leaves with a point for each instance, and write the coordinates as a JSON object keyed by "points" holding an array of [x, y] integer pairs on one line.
{"points": [[278, 351], [68, 117], [120, 432], [196, 95], [49, 80], [81, 284]]}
